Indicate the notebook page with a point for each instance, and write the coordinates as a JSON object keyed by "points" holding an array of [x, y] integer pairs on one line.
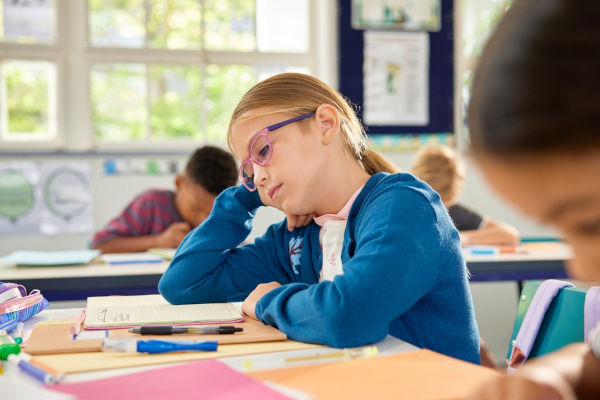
{"points": [[123, 311]]}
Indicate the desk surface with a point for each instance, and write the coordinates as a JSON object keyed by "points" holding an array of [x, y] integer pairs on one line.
{"points": [[395, 375], [388, 346], [77, 282], [542, 261]]}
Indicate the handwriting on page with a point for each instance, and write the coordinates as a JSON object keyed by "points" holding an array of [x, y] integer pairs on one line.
{"points": [[105, 316], [153, 309]]}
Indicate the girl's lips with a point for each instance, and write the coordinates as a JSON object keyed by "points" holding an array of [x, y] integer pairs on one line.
{"points": [[273, 192]]}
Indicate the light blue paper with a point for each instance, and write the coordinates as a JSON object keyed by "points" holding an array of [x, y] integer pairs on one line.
{"points": [[50, 258]]}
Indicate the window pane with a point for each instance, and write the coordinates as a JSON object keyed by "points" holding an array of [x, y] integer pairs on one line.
{"points": [[29, 100], [175, 95], [175, 24], [282, 25], [229, 25], [478, 20], [224, 87], [118, 93], [117, 23], [28, 21]]}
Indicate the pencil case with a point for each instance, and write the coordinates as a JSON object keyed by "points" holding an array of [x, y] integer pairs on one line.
{"points": [[20, 306]]}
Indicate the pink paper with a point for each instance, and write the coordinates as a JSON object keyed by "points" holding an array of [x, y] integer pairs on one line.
{"points": [[208, 379]]}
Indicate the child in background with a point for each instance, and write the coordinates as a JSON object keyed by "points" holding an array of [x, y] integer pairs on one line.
{"points": [[162, 218], [364, 252], [534, 123], [444, 171]]}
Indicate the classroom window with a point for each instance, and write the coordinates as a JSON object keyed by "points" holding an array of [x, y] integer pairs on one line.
{"points": [[28, 93], [145, 74], [30, 22], [477, 19], [28, 109]]}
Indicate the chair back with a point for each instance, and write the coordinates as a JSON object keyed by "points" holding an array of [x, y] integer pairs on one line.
{"points": [[561, 321]]}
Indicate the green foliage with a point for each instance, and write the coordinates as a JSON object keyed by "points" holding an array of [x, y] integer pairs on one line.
{"points": [[27, 97], [175, 95], [175, 92], [224, 87], [135, 101], [175, 24], [229, 25], [118, 94]]}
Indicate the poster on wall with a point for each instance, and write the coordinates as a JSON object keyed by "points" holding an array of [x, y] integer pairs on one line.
{"points": [[19, 198], [67, 198], [396, 14], [395, 83]]}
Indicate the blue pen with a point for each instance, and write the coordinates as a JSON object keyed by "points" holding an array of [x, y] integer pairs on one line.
{"points": [[124, 262], [482, 250], [36, 372], [155, 346]]}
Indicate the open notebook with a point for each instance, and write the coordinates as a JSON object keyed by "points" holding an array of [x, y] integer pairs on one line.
{"points": [[106, 312]]}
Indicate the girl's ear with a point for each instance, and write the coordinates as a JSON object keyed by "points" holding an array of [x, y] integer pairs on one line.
{"points": [[328, 122]]}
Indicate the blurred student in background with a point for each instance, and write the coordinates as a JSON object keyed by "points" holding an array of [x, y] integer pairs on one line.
{"points": [[444, 171], [161, 217], [534, 123]]}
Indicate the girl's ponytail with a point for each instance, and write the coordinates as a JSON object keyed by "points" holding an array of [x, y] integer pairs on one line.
{"points": [[374, 162]]}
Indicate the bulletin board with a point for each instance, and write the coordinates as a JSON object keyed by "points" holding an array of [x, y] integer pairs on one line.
{"points": [[441, 72]]}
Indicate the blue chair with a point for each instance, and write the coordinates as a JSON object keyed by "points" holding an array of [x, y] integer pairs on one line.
{"points": [[562, 323]]}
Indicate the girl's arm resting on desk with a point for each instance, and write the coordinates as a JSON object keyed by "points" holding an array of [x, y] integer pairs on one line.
{"points": [[395, 264], [210, 267]]}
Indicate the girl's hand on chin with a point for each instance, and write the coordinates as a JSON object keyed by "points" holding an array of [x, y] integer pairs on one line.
{"points": [[296, 221]]}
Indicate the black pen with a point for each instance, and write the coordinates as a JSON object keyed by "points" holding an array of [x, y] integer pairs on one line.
{"points": [[170, 330]]}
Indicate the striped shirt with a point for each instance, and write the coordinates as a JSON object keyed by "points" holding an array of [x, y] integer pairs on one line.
{"points": [[150, 213]]}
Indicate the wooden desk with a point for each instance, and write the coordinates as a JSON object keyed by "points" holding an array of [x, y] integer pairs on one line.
{"points": [[460, 376], [542, 261], [78, 282]]}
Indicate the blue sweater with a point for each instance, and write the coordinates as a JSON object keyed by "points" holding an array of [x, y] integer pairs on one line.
{"points": [[404, 273]]}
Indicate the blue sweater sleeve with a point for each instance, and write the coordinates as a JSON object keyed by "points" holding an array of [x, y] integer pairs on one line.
{"points": [[396, 263], [210, 266]]}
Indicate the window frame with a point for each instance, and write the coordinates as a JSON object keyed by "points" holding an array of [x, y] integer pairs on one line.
{"points": [[464, 11], [74, 58], [53, 53]]}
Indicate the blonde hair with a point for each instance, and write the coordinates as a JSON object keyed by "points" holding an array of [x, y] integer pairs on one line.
{"points": [[297, 94], [442, 169]]}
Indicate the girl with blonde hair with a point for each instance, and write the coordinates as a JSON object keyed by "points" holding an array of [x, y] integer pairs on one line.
{"points": [[363, 252]]}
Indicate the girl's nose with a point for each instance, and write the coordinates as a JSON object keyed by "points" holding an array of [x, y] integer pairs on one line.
{"points": [[260, 174]]}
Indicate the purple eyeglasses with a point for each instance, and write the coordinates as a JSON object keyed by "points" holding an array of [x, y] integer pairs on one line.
{"points": [[261, 151]]}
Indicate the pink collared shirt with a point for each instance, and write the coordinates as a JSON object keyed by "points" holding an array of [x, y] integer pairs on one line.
{"points": [[331, 239], [342, 215]]}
